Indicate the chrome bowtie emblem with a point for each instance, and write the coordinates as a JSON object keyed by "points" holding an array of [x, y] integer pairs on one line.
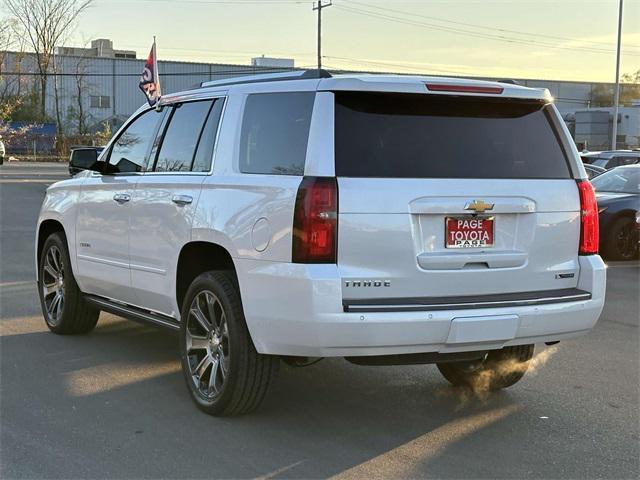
{"points": [[478, 206]]}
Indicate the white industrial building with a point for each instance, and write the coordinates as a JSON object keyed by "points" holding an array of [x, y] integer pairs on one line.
{"points": [[104, 81]]}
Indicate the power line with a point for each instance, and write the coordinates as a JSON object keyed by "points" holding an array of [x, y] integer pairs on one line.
{"points": [[484, 27], [466, 32], [230, 2], [418, 68], [248, 70], [469, 33]]}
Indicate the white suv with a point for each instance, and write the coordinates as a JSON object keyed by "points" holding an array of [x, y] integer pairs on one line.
{"points": [[2, 151], [384, 219]]}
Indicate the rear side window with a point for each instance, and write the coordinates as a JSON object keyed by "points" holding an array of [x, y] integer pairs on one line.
{"points": [[204, 152], [181, 137], [430, 136], [275, 131]]}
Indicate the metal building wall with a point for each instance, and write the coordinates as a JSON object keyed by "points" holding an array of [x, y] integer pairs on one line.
{"points": [[118, 79]]}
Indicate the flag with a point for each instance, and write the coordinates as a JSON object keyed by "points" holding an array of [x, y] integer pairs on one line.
{"points": [[150, 80]]}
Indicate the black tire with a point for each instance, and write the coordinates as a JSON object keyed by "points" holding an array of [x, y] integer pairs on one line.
{"points": [[621, 240], [72, 314], [499, 369], [233, 377]]}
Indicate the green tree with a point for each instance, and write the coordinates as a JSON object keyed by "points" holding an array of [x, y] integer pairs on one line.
{"points": [[602, 95]]}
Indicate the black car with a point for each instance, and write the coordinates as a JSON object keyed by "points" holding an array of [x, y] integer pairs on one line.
{"points": [[618, 196], [82, 158], [611, 158]]}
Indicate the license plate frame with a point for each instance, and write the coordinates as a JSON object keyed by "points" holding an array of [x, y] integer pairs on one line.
{"points": [[484, 239]]}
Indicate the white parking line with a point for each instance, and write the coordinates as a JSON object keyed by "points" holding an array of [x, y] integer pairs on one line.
{"points": [[17, 284], [30, 180]]}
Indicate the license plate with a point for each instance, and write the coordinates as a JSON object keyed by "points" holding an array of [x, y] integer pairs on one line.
{"points": [[468, 232]]}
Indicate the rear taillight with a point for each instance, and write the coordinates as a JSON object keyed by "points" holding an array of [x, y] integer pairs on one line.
{"points": [[589, 234], [315, 221]]}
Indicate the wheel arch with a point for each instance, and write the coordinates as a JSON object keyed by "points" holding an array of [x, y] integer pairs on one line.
{"points": [[613, 216], [197, 257], [625, 213], [45, 229]]}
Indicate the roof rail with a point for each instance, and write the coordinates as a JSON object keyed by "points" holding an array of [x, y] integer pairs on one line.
{"points": [[510, 81], [269, 77]]}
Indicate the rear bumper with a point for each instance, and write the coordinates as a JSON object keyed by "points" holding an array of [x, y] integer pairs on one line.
{"points": [[294, 309]]}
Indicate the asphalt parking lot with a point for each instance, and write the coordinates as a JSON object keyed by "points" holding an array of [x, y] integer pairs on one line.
{"points": [[113, 404]]}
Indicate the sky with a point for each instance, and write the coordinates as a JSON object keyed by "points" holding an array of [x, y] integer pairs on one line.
{"points": [[545, 39]]}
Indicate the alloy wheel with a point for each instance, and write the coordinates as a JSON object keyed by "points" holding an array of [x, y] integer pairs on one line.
{"points": [[53, 285], [207, 344]]}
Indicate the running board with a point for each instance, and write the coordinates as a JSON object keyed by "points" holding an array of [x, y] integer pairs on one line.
{"points": [[133, 313]]}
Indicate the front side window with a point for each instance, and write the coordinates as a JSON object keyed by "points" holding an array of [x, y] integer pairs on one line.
{"points": [[182, 135], [130, 150], [275, 131]]}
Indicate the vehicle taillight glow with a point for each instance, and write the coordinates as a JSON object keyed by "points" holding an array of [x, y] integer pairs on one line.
{"points": [[589, 233], [315, 221], [441, 87]]}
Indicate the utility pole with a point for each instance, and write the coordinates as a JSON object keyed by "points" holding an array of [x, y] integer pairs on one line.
{"points": [[319, 6], [616, 97]]}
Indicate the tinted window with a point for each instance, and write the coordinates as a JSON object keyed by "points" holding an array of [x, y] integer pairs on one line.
{"points": [[429, 136], [600, 162], [129, 152], [204, 153], [626, 160], [84, 158], [181, 137], [275, 131], [620, 180]]}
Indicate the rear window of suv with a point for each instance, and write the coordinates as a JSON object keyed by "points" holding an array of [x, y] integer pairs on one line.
{"points": [[388, 135]]}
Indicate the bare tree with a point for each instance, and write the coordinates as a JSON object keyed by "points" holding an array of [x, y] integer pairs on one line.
{"points": [[9, 42], [45, 24], [80, 76], [602, 95]]}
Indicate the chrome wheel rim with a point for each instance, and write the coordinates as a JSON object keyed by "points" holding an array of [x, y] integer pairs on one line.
{"points": [[207, 344], [53, 285]]}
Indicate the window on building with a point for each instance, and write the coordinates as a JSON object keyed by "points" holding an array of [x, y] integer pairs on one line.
{"points": [[275, 131], [100, 101], [181, 138]]}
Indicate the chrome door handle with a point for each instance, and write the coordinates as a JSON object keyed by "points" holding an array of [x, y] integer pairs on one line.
{"points": [[122, 197], [182, 199]]}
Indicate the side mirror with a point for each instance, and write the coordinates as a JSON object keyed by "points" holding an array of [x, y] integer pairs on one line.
{"points": [[84, 159]]}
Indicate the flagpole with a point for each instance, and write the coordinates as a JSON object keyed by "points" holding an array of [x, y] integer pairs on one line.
{"points": [[155, 69]]}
